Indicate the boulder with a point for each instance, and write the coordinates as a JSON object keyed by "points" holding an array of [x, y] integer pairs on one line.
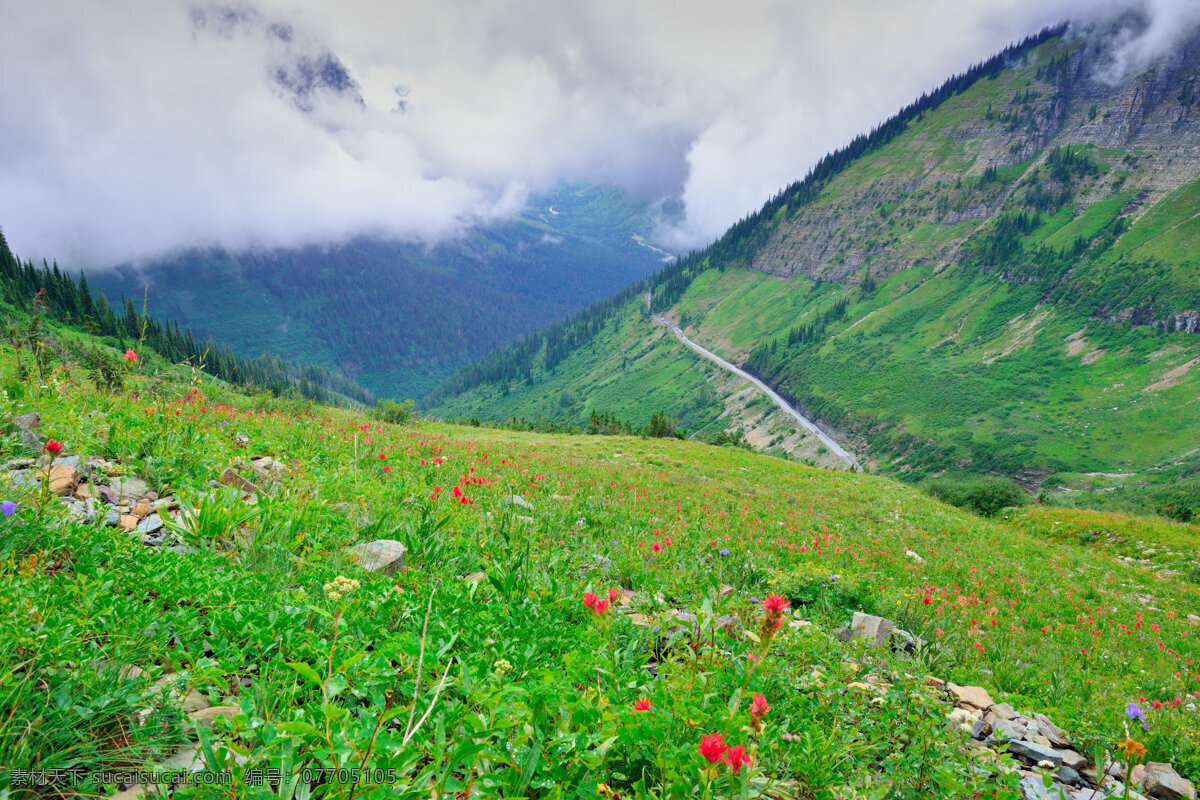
{"points": [[1164, 783], [382, 555], [974, 696], [914, 557], [874, 629], [267, 468]]}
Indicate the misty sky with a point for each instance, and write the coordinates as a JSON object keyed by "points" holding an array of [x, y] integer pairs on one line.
{"points": [[131, 128]]}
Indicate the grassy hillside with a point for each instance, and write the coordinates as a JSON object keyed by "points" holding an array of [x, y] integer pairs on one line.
{"points": [[1006, 283], [479, 670], [401, 317]]}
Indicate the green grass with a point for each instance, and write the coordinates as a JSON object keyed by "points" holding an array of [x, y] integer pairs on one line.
{"points": [[528, 693]]}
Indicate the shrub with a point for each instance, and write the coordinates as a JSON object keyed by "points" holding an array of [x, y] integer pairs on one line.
{"points": [[980, 494], [393, 412]]}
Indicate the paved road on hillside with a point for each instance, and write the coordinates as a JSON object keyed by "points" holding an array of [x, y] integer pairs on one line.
{"points": [[771, 393]]}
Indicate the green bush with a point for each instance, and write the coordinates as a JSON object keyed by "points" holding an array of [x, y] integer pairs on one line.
{"points": [[980, 494], [393, 412]]}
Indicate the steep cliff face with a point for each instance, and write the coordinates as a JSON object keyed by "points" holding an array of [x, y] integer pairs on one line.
{"points": [[918, 202]]}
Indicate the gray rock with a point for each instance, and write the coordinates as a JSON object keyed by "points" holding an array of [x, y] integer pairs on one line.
{"points": [[980, 730], [127, 490], [28, 422], [1033, 788], [1009, 730], [517, 500], [871, 628], [730, 624], [112, 518], [25, 478], [149, 525], [1032, 753], [1004, 711], [1055, 734], [18, 463], [1074, 760], [1068, 776], [1164, 783], [843, 633], [381, 555], [905, 641], [66, 461], [182, 549], [31, 440]]}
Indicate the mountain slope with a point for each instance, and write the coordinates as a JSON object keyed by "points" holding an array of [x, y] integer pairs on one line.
{"points": [[1006, 283], [400, 317]]}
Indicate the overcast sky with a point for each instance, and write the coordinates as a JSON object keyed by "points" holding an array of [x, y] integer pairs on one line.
{"points": [[131, 128]]}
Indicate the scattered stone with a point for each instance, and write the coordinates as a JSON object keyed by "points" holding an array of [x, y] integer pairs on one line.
{"points": [[382, 555], [1003, 711], [730, 624], [1163, 782], [267, 468], [981, 730], [974, 696], [517, 500], [1072, 759], [207, 716], [913, 556], [1033, 754], [724, 590], [18, 463], [62, 479], [231, 478], [149, 525], [903, 640], [1007, 730], [129, 522], [475, 577], [1068, 776], [127, 490], [872, 628], [28, 422], [185, 759], [1055, 734], [141, 508], [112, 518], [843, 634]]}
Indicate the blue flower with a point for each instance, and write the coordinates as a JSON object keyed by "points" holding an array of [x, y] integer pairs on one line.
{"points": [[8, 507], [724, 552], [1134, 711], [753, 599]]}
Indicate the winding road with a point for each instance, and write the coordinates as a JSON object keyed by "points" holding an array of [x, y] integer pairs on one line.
{"points": [[825, 438]]}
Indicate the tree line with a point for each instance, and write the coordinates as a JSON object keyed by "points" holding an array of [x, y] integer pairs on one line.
{"points": [[51, 292]]}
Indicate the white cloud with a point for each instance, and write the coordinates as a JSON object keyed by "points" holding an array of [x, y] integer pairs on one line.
{"points": [[131, 129]]}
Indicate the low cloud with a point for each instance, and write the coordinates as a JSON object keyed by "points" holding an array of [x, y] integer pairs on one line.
{"points": [[133, 129]]}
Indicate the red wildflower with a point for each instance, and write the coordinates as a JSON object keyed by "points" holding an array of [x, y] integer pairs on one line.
{"points": [[643, 705], [53, 447], [590, 600], [712, 747], [736, 758], [613, 594], [600, 607], [131, 356], [775, 604]]}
